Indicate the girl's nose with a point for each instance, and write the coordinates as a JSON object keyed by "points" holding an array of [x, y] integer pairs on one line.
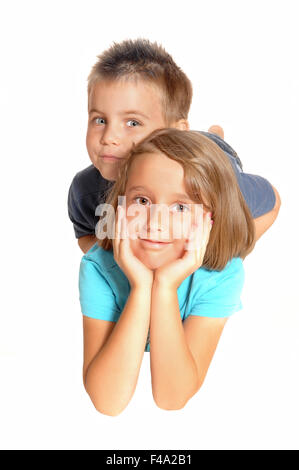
{"points": [[158, 218]]}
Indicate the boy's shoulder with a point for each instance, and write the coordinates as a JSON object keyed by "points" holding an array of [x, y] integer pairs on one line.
{"points": [[87, 190], [88, 181]]}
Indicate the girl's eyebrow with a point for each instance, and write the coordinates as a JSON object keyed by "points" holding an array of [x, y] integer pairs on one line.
{"points": [[176, 196], [183, 196], [138, 188]]}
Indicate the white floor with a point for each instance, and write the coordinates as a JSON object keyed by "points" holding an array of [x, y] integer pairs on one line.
{"points": [[245, 75]]}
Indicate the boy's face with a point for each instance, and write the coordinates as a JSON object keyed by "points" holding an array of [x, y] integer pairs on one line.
{"points": [[120, 113]]}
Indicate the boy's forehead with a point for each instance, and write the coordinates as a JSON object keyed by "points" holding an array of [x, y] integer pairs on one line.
{"points": [[126, 96]]}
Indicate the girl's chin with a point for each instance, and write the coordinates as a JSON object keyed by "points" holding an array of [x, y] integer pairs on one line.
{"points": [[152, 261], [156, 258], [153, 266]]}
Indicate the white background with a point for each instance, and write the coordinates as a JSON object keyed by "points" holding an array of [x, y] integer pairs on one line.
{"points": [[242, 58]]}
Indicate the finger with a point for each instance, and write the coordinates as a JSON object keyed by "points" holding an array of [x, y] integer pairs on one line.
{"points": [[208, 224], [123, 228], [116, 239], [191, 241], [199, 245], [195, 237], [199, 238], [205, 235], [124, 242], [197, 242]]}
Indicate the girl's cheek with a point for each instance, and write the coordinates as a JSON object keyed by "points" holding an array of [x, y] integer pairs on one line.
{"points": [[181, 225], [136, 221]]}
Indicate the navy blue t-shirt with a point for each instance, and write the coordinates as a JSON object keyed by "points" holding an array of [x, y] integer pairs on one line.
{"points": [[89, 189]]}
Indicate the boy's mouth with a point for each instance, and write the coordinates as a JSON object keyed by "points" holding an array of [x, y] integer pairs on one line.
{"points": [[110, 158]]}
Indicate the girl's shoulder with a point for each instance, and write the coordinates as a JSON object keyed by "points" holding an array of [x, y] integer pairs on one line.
{"points": [[217, 293], [233, 268], [103, 258], [98, 267], [230, 278]]}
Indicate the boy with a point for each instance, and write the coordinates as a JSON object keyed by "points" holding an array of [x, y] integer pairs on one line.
{"points": [[138, 82]]}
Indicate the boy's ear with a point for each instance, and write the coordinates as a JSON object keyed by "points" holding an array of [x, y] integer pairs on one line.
{"points": [[182, 124]]}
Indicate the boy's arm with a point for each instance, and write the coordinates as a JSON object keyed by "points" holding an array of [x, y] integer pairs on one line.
{"points": [[257, 192], [264, 222], [113, 355], [260, 196]]}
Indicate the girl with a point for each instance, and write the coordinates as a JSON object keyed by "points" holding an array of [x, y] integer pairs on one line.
{"points": [[164, 284]]}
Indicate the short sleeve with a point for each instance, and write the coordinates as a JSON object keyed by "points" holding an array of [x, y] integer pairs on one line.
{"points": [[257, 192], [80, 213], [96, 296], [222, 296]]}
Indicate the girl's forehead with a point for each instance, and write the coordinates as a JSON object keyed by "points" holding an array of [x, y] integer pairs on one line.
{"points": [[157, 165], [157, 173]]}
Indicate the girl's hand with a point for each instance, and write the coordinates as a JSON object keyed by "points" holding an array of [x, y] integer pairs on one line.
{"points": [[174, 273], [137, 273]]}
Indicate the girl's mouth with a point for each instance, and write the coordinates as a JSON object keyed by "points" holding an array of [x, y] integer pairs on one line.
{"points": [[154, 244]]}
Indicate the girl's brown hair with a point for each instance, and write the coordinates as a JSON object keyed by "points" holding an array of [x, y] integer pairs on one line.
{"points": [[140, 59], [210, 180]]}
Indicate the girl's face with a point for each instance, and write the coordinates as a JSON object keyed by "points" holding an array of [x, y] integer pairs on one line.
{"points": [[159, 210]]}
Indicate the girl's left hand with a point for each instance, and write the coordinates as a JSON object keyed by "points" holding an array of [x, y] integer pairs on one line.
{"points": [[174, 273]]}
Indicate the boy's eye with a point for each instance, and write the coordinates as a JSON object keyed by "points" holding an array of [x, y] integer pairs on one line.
{"points": [[141, 200], [180, 207], [99, 120], [133, 123]]}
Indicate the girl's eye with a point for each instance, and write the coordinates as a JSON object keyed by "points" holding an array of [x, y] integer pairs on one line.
{"points": [[141, 200], [180, 208], [99, 120], [134, 123]]}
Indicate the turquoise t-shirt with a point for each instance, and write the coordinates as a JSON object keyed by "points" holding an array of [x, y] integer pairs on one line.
{"points": [[104, 289]]}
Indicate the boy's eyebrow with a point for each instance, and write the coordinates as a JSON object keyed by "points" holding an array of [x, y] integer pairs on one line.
{"points": [[94, 110], [135, 112]]}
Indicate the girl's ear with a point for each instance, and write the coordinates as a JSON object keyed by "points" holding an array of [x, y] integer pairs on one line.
{"points": [[182, 125]]}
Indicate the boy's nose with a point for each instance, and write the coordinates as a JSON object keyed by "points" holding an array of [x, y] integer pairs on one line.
{"points": [[110, 136]]}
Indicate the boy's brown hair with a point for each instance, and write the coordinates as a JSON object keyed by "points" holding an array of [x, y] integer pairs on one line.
{"points": [[210, 180], [140, 59]]}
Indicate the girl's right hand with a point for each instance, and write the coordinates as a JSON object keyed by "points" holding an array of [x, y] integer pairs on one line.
{"points": [[137, 273]]}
